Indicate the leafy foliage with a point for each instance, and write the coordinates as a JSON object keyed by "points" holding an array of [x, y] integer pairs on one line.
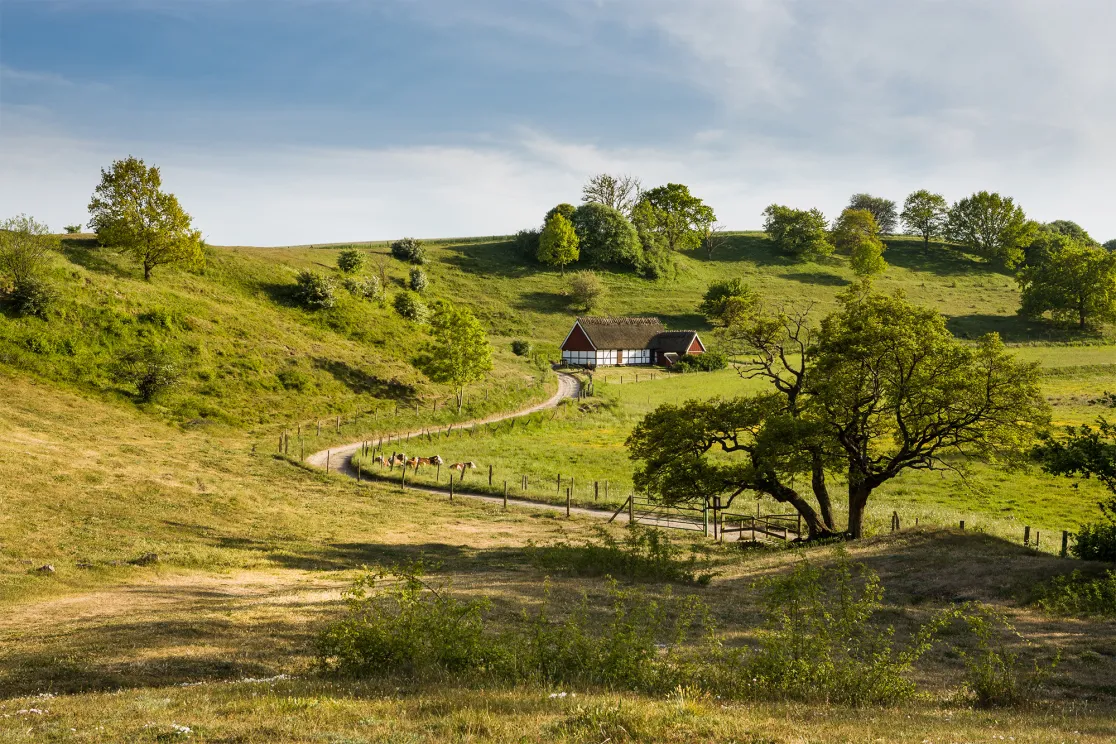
{"points": [[1086, 452], [409, 306], [460, 352], [799, 232], [367, 287], [1072, 230], [315, 291], [728, 302], [1095, 542], [710, 361], [679, 218], [991, 226], [150, 369], [994, 674], [527, 243], [73, 229], [418, 280], [410, 250], [1080, 594], [350, 261], [1074, 282], [25, 248], [566, 210], [605, 236], [558, 244], [643, 554], [867, 258], [521, 347], [31, 297], [586, 289], [925, 214], [882, 210], [857, 234], [133, 214]]}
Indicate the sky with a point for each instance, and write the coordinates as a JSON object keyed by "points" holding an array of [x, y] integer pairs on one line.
{"points": [[284, 122]]}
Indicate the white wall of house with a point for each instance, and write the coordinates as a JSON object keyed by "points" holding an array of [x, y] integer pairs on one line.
{"points": [[608, 358]]}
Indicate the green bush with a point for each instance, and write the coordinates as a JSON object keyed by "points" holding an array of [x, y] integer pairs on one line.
{"points": [[520, 347], [150, 370], [31, 297], [710, 361], [411, 307], [644, 553], [586, 290], [1095, 542], [418, 280], [527, 243], [368, 287], [350, 261], [73, 229], [410, 250], [293, 378], [821, 644], [1079, 594], [994, 674], [407, 626], [315, 291]]}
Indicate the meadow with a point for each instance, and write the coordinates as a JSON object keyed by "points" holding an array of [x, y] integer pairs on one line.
{"points": [[193, 566]]}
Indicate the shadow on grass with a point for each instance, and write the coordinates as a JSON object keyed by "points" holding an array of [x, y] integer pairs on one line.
{"points": [[1015, 328], [494, 259], [819, 278], [545, 302], [361, 382], [936, 258], [88, 254]]}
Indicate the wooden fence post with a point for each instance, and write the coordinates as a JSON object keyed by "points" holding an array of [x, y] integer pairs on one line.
{"points": [[962, 524], [403, 477], [327, 461], [490, 475], [606, 490], [338, 424], [1027, 535], [451, 486], [559, 483], [358, 472], [631, 509], [280, 444], [438, 474], [319, 428], [1065, 542], [567, 503], [505, 495], [596, 490]]}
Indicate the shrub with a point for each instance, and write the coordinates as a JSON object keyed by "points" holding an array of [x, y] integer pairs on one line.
{"points": [[315, 291], [586, 289], [657, 262], [994, 676], [710, 361], [644, 553], [520, 347], [293, 378], [821, 644], [605, 236], [73, 229], [418, 280], [31, 297], [410, 250], [1079, 594], [411, 307], [407, 626], [1095, 542], [527, 243], [368, 287], [350, 261], [151, 370]]}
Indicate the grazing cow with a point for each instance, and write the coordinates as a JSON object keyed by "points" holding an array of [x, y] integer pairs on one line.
{"points": [[381, 461], [436, 460], [463, 466], [398, 459]]}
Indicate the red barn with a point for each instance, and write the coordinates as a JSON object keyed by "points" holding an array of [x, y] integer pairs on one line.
{"points": [[609, 342]]}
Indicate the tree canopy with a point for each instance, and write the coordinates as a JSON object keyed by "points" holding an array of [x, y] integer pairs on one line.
{"points": [[605, 236], [879, 388], [1074, 282], [619, 192], [558, 243], [991, 226], [133, 214], [728, 302], [1086, 452], [680, 218], [799, 232], [459, 352], [882, 209], [925, 214], [25, 245]]}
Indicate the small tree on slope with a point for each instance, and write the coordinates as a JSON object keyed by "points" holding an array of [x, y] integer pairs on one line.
{"points": [[459, 353]]}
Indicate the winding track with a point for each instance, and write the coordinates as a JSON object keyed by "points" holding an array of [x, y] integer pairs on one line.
{"points": [[340, 459]]}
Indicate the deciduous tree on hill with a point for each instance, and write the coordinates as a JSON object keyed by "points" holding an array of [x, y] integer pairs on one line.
{"points": [[925, 214], [604, 236], [991, 226], [883, 210], [728, 303], [881, 387], [558, 243], [133, 214], [459, 353], [680, 218], [800, 232], [619, 192], [1075, 282]]}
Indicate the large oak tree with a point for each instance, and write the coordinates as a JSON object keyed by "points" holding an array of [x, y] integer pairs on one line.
{"points": [[879, 388]]}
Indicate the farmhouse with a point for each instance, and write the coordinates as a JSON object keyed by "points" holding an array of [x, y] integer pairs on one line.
{"points": [[609, 342]]}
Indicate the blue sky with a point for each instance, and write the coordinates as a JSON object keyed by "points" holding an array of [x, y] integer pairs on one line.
{"points": [[299, 121]]}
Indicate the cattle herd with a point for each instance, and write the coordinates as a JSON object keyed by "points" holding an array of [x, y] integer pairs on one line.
{"points": [[417, 462]]}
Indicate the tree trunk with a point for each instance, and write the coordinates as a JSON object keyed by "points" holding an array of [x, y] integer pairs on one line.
{"points": [[821, 492], [858, 500], [146, 271], [460, 395], [815, 526]]}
